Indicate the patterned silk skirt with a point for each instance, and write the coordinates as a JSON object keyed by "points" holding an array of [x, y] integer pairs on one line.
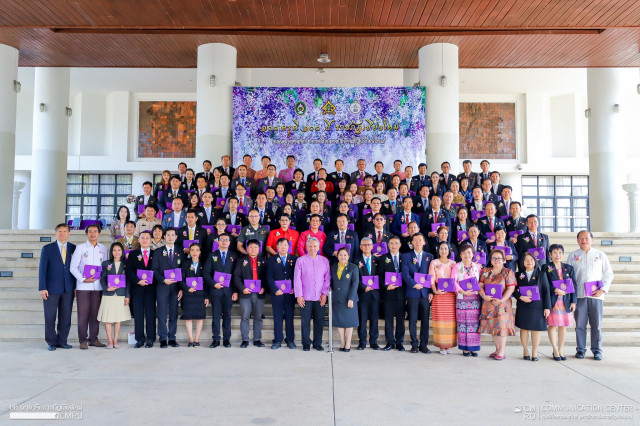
{"points": [[559, 317], [468, 318], [443, 316], [497, 320]]}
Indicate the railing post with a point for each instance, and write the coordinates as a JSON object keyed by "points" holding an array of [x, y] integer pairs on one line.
{"points": [[330, 322]]}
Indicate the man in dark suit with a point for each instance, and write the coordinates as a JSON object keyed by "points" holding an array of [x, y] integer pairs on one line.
{"points": [[143, 293], [314, 175], [246, 181], [167, 290], [484, 174], [145, 199], [208, 215], [342, 235], [193, 232], [404, 217], [175, 191], [418, 295], [421, 201], [532, 239], [334, 177], [393, 296], [489, 223], [251, 266], [361, 173], [496, 186], [223, 192], [472, 177], [487, 193], [419, 180], [207, 174], [221, 296], [504, 205], [226, 168], [380, 175], [280, 267], [445, 177], [56, 285], [379, 233], [516, 222], [270, 181], [368, 299], [365, 224], [435, 215]]}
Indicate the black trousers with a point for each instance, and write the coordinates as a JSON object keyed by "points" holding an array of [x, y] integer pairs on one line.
{"points": [[283, 309], [368, 310], [221, 306], [312, 309], [418, 309], [167, 298], [144, 312], [394, 309], [60, 306]]}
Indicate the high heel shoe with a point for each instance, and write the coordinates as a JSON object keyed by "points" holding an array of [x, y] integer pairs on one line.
{"points": [[526, 357]]}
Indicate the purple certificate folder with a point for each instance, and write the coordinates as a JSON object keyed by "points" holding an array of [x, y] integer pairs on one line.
{"points": [[215, 246], [119, 281], [446, 284], [423, 279], [173, 274], [393, 278], [337, 247], [236, 228], [187, 243], [531, 291], [254, 286], [380, 249], [477, 214], [366, 211], [91, 271], [591, 287], [195, 282], [491, 237], [538, 253], [141, 208], [493, 290], [505, 217], [244, 210], [435, 226], [351, 227], [208, 228], [371, 281], [506, 250], [220, 202], [470, 284], [145, 275], [404, 228], [564, 285], [284, 286], [462, 235], [513, 234], [221, 278], [480, 257]]}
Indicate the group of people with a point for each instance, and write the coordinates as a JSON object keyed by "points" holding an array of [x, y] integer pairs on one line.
{"points": [[453, 249]]}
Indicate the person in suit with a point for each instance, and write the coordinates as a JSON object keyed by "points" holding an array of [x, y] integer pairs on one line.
{"points": [[194, 301], [168, 292], [143, 294], [223, 192], [129, 241], [251, 266], [56, 285], [496, 186], [206, 172], [404, 217], [246, 161], [419, 180], [516, 222], [531, 315], [476, 203], [162, 186], [270, 181], [244, 180], [532, 239], [418, 295], [472, 177], [365, 222], [208, 215], [115, 300], [342, 235], [233, 216], [189, 182], [436, 187], [297, 184], [360, 173], [490, 223], [244, 201], [435, 215], [484, 174], [174, 192], [191, 231], [182, 171], [393, 295], [368, 298], [344, 285], [487, 193], [504, 205], [116, 230], [280, 267], [446, 178], [145, 199], [221, 296], [476, 243], [511, 260], [459, 226], [225, 168], [421, 201], [380, 175], [379, 233], [563, 304], [334, 177], [177, 218]]}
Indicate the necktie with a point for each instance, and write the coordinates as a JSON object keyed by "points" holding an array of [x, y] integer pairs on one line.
{"points": [[535, 240], [395, 262], [407, 219], [190, 233], [361, 175], [171, 255], [175, 194], [379, 237], [491, 222], [242, 180], [63, 253], [284, 260], [145, 256], [261, 215], [224, 257], [224, 192], [208, 210], [341, 237], [419, 261], [241, 199], [368, 260]]}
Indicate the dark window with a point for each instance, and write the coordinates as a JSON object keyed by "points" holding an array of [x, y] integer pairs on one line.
{"points": [[96, 196]]}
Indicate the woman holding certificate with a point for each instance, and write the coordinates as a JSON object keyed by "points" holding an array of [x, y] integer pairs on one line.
{"points": [[344, 285], [468, 302], [533, 305], [497, 284], [561, 278], [115, 294], [194, 299], [443, 305]]}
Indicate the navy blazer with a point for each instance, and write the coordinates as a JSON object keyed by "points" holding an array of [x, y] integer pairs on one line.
{"points": [[104, 281], [345, 288], [54, 275], [409, 268], [400, 219], [385, 264], [538, 279], [552, 275], [213, 264], [333, 238], [428, 220], [160, 263], [525, 242], [484, 226], [277, 270], [167, 198], [364, 295]]}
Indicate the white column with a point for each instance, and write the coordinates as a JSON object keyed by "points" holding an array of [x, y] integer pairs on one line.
{"points": [[606, 134], [50, 144], [17, 192], [8, 99], [215, 103], [23, 177], [443, 122], [633, 192]]}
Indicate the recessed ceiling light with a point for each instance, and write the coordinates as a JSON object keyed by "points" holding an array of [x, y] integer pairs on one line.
{"points": [[324, 58]]}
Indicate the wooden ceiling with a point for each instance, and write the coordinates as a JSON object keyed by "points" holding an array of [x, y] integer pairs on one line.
{"points": [[292, 33]]}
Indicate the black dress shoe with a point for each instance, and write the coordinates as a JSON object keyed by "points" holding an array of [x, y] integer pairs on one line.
{"points": [[474, 354], [425, 350], [51, 348], [244, 344], [306, 348], [173, 343], [526, 357], [163, 344], [214, 344], [374, 346], [291, 345], [318, 348], [597, 357], [361, 346], [65, 346], [388, 347], [226, 343], [139, 345], [148, 345], [414, 349], [579, 355], [258, 343], [467, 354], [400, 347], [276, 345]]}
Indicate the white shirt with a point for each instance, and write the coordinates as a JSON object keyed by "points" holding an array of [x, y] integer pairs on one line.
{"points": [[87, 254], [589, 266], [176, 218]]}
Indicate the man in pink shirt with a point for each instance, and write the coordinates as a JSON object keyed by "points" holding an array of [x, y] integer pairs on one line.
{"points": [[311, 281]]}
